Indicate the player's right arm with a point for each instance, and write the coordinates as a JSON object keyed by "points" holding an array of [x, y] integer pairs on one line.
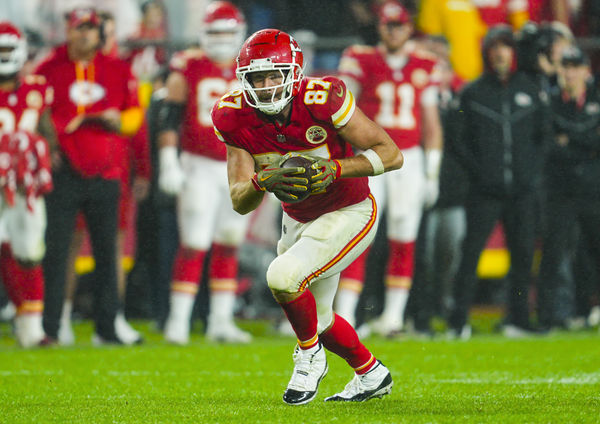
{"points": [[240, 170], [170, 116]]}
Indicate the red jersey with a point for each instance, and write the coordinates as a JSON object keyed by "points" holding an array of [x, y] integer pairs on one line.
{"points": [[24, 165], [321, 107], [29, 165], [392, 97], [21, 109], [105, 82], [207, 83]]}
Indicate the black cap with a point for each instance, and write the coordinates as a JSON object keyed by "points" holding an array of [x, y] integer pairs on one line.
{"points": [[574, 56]]}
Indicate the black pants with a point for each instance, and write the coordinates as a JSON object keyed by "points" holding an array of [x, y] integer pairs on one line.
{"points": [[98, 199], [555, 287], [157, 244], [518, 217]]}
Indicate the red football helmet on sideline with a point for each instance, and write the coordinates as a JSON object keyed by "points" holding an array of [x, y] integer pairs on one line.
{"points": [[13, 49], [269, 50], [223, 31]]}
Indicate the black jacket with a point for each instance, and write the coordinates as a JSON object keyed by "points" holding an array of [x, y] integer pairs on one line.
{"points": [[573, 164], [454, 181], [502, 129]]}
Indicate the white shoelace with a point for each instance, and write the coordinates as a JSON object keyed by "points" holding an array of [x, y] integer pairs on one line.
{"points": [[302, 362]]}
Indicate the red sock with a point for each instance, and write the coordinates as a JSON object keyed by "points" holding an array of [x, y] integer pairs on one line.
{"points": [[342, 340], [302, 314], [188, 266], [223, 262], [401, 259], [8, 270], [31, 280]]}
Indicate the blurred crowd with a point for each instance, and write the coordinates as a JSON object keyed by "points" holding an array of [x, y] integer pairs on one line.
{"points": [[503, 91]]}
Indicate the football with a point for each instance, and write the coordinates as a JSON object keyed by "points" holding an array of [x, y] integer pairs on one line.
{"points": [[299, 161]]}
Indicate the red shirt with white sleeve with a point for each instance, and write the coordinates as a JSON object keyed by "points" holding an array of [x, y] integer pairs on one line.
{"points": [[207, 83]]}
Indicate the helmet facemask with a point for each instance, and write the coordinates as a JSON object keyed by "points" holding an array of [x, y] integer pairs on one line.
{"points": [[13, 54], [281, 94]]}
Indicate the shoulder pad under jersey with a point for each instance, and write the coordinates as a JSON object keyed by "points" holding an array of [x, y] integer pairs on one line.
{"points": [[328, 99]]}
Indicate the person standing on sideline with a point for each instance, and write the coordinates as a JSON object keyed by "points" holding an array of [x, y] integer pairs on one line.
{"points": [[207, 220], [501, 128], [24, 102], [277, 114], [96, 107], [571, 175], [132, 153], [396, 84]]}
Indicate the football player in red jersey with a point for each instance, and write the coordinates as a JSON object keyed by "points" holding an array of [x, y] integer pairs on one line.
{"points": [[96, 111], [396, 85], [199, 178], [23, 112], [277, 114]]}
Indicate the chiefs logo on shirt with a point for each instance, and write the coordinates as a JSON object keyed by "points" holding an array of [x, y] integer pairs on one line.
{"points": [[86, 93], [316, 134]]}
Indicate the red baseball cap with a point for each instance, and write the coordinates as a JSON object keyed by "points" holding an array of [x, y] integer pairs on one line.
{"points": [[81, 16], [393, 12]]}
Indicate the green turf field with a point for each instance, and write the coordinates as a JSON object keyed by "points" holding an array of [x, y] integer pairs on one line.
{"points": [[553, 379]]}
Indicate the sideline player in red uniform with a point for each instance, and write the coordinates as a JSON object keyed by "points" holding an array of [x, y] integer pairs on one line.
{"points": [[279, 113], [396, 86], [96, 111], [23, 112], [199, 178]]}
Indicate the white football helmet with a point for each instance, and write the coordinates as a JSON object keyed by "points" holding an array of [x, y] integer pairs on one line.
{"points": [[13, 49], [270, 50], [223, 31]]}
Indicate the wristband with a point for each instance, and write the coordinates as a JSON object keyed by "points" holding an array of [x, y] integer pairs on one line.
{"points": [[375, 161], [254, 180]]}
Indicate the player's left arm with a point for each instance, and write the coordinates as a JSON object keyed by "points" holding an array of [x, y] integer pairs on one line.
{"points": [[380, 153], [332, 100], [431, 132], [432, 139], [432, 136]]}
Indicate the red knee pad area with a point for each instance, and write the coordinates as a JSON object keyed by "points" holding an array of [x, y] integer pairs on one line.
{"points": [[188, 265], [223, 262], [401, 261]]}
